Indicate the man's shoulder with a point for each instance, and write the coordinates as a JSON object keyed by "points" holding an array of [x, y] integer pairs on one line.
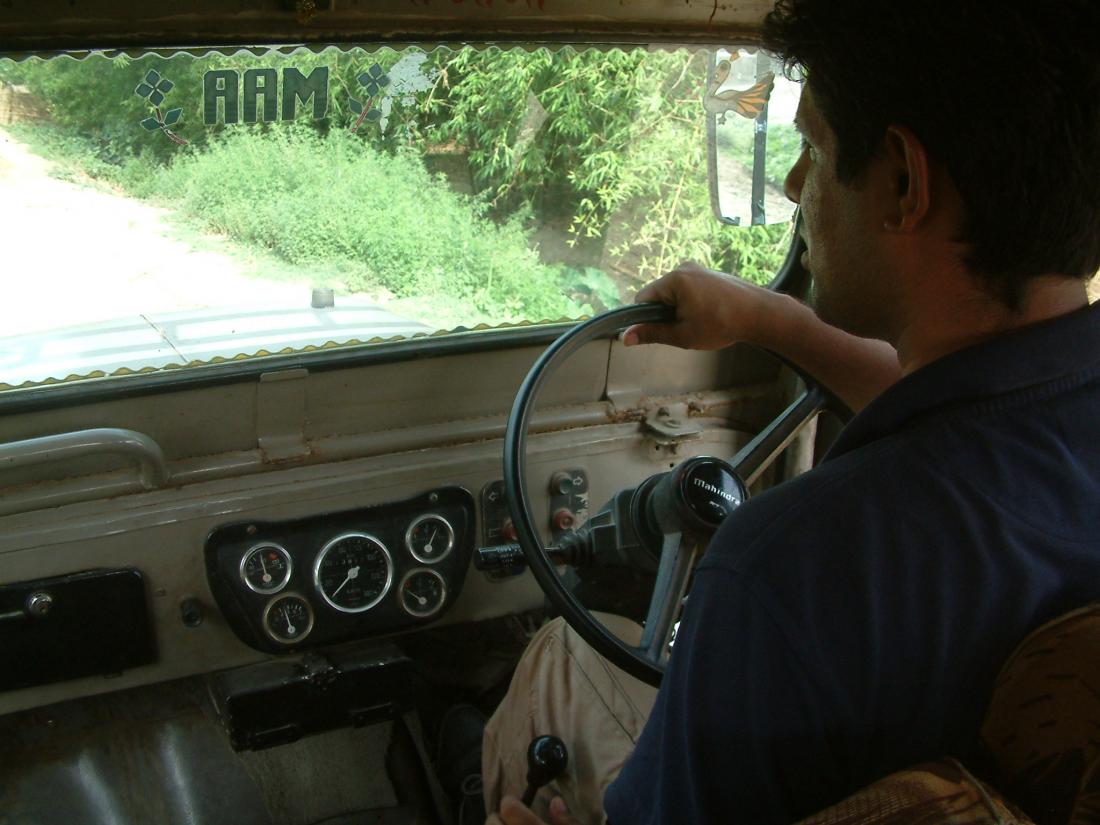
{"points": [[994, 461], [814, 513]]}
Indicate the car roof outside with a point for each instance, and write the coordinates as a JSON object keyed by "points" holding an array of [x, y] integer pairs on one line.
{"points": [[158, 340]]}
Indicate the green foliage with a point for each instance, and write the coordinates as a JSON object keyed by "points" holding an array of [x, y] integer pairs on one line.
{"points": [[619, 134], [312, 199], [783, 147], [95, 98], [91, 98], [758, 251], [589, 286]]}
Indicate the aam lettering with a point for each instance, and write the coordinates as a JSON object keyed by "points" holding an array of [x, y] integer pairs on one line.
{"points": [[230, 96]]}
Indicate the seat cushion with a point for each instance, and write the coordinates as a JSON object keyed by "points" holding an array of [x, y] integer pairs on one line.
{"points": [[1042, 729], [934, 793]]}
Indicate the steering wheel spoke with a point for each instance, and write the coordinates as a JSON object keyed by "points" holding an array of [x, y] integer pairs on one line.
{"points": [[678, 556], [756, 456]]}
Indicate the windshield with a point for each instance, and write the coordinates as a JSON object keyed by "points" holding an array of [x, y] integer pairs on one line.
{"points": [[176, 209]]}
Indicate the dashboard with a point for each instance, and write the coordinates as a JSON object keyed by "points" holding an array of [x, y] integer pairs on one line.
{"points": [[245, 558]]}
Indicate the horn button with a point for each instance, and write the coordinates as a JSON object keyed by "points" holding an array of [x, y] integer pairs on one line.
{"points": [[707, 490]]}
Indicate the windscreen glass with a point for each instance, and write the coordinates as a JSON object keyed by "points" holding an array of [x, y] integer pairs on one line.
{"points": [[173, 210]]}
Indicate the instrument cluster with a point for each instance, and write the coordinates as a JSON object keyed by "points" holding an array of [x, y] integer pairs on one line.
{"points": [[339, 576]]}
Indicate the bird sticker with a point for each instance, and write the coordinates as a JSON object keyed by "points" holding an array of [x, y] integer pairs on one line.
{"points": [[748, 103]]}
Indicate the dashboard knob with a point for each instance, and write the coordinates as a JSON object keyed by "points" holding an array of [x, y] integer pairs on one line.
{"points": [[564, 519], [561, 484], [39, 603]]}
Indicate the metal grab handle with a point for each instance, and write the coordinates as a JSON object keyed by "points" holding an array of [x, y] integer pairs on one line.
{"points": [[153, 470]]}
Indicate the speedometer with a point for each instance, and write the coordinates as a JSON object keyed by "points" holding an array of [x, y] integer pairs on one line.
{"points": [[353, 572]]}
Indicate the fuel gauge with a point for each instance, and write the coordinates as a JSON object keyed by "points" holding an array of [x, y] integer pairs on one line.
{"points": [[265, 568], [288, 618], [422, 592]]}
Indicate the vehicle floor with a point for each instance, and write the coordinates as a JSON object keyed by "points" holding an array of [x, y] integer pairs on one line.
{"points": [[160, 754], [157, 755]]}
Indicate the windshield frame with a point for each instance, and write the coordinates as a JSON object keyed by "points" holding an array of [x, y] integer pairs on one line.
{"points": [[52, 25]]}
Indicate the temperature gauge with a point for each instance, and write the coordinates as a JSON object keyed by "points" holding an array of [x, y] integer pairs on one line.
{"points": [[266, 568], [288, 618], [422, 592], [429, 538]]}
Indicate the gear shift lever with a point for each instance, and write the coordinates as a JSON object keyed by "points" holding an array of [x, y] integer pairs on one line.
{"points": [[546, 761]]}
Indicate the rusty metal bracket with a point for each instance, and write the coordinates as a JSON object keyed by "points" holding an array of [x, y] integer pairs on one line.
{"points": [[670, 424]]}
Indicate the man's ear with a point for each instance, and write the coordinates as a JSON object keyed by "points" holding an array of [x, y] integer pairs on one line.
{"points": [[906, 163]]}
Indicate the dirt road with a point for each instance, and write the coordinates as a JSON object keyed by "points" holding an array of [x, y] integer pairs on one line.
{"points": [[72, 254]]}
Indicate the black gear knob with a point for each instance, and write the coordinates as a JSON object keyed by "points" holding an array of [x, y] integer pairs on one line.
{"points": [[546, 761]]}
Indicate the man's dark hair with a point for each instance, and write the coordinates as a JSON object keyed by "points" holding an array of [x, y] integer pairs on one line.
{"points": [[1005, 94]]}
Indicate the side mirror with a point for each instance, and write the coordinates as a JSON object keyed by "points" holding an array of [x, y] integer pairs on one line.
{"points": [[751, 139]]}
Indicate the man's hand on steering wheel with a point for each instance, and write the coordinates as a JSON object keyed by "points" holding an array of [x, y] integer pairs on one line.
{"points": [[713, 310]]}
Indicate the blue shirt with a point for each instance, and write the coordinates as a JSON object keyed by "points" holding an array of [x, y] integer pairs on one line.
{"points": [[850, 623]]}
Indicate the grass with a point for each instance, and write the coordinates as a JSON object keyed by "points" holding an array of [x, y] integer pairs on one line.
{"points": [[292, 205]]}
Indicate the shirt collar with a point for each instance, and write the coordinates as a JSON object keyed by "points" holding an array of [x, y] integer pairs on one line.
{"points": [[1057, 349]]}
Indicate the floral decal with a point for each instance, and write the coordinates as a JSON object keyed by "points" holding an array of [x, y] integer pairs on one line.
{"points": [[155, 88], [373, 81]]}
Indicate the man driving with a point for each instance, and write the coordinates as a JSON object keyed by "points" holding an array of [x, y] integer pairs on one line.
{"points": [[850, 623]]}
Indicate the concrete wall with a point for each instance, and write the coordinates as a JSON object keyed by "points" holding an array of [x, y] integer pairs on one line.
{"points": [[17, 105]]}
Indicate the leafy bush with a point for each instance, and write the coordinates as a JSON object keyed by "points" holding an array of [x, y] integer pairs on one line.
{"points": [[314, 199], [617, 131], [590, 286]]}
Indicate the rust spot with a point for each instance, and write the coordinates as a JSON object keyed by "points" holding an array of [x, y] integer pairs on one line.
{"points": [[626, 416]]}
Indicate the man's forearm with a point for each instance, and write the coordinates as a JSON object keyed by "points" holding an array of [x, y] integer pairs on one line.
{"points": [[714, 310], [854, 369]]}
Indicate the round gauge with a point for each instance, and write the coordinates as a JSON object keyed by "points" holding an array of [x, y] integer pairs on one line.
{"points": [[265, 568], [429, 538], [422, 592], [353, 572], [288, 618]]}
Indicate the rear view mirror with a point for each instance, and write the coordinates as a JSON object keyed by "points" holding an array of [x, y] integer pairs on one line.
{"points": [[751, 139]]}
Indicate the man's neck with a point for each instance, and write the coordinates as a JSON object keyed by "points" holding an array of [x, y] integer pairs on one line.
{"points": [[966, 316]]}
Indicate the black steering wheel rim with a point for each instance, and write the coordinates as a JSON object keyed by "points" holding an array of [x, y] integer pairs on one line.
{"points": [[515, 473]]}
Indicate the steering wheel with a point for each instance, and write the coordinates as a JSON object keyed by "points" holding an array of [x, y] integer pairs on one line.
{"points": [[675, 511]]}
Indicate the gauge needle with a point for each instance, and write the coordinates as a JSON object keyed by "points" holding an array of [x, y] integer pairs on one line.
{"points": [[352, 573], [431, 538], [266, 576], [290, 628]]}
